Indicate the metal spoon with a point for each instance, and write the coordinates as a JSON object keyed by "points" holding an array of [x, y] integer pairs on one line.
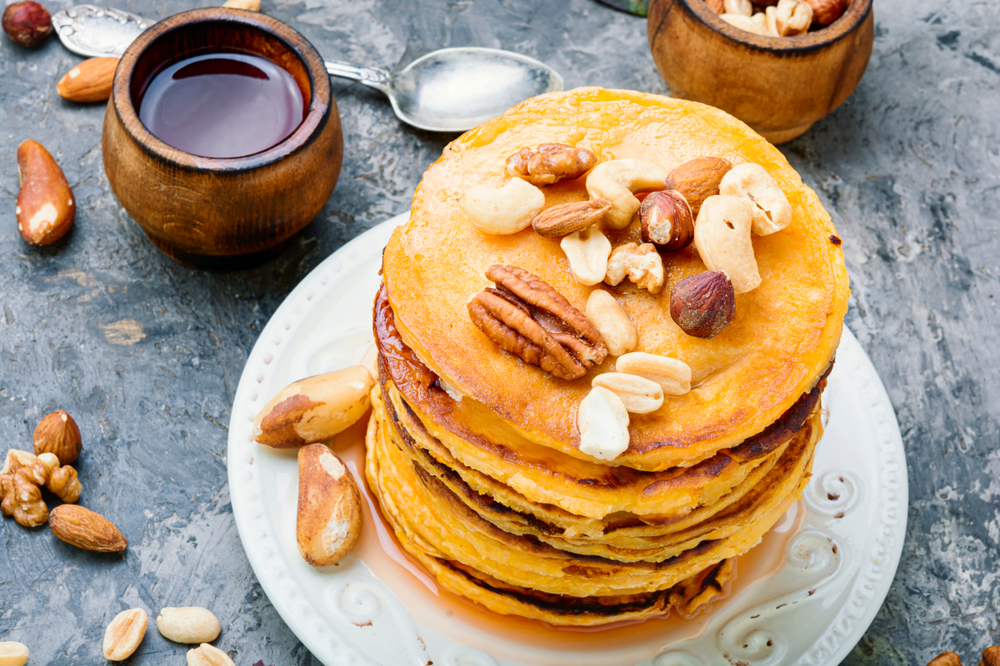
{"points": [[450, 90]]}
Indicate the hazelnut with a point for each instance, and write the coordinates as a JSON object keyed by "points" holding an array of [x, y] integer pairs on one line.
{"points": [[27, 23], [57, 433], [667, 221], [703, 304], [991, 656], [826, 12]]}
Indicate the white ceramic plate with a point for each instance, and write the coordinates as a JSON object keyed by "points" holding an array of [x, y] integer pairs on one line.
{"points": [[811, 612]]}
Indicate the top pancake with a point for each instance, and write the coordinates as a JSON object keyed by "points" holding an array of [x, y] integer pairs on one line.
{"points": [[783, 337]]}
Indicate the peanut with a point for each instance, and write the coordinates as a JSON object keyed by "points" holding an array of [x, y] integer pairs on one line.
{"points": [[124, 634], [188, 624]]}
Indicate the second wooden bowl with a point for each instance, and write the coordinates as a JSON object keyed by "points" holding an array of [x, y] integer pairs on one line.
{"points": [[222, 212], [779, 86]]}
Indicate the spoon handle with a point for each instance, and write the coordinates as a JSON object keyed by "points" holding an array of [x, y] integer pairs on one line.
{"points": [[375, 77]]}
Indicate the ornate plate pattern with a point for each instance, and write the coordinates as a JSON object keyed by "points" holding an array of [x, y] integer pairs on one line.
{"points": [[811, 612]]}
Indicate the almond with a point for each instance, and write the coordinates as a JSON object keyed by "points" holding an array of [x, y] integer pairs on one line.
{"points": [[314, 409], [85, 529], [329, 511], [90, 81], [124, 634], [58, 433], [698, 179], [567, 218], [45, 208]]}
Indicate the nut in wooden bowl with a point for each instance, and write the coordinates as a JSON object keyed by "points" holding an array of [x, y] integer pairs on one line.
{"points": [[779, 86]]}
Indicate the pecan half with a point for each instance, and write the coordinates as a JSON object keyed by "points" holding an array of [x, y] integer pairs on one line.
{"points": [[528, 318], [550, 163]]}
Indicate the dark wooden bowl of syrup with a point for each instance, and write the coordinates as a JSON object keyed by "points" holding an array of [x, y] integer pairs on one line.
{"points": [[221, 138]]}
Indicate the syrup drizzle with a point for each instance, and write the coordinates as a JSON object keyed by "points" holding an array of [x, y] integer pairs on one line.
{"points": [[474, 626]]}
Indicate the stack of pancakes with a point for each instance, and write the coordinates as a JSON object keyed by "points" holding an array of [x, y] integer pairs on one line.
{"points": [[473, 454]]}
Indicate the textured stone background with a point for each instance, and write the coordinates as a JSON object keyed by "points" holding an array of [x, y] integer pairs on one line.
{"points": [[146, 354]]}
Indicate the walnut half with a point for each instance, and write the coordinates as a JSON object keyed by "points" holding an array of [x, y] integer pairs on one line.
{"points": [[526, 317]]}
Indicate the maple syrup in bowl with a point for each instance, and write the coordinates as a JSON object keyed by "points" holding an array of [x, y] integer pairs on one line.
{"points": [[221, 138]]}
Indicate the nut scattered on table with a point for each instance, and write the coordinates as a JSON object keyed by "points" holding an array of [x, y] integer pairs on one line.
{"points": [[27, 23], [587, 254], [550, 163], [526, 317], [946, 659], [698, 179], [703, 305], [610, 318], [617, 180], [641, 264], [722, 236], [771, 210], [667, 220], [249, 5], [90, 81], [673, 375], [13, 653], [22, 498], [603, 424], [314, 409], [64, 483], [328, 521], [208, 655], [86, 529], [504, 210], [564, 219], [124, 634], [188, 624], [58, 433], [45, 207], [638, 394]]}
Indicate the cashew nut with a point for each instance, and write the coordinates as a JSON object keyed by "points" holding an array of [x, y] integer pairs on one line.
{"points": [[722, 235], [505, 210], [617, 180], [587, 252], [771, 210], [746, 23]]}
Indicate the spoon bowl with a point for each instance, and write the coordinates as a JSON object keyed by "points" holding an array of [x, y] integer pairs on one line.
{"points": [[450, 90], [457, 89]]}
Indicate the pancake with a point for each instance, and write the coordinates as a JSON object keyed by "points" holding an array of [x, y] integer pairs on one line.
{"points": [[546, 476], [782, 339], [645, 543], [432, 522], [513, 512]]}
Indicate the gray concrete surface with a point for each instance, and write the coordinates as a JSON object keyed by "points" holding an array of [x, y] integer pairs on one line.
{"points": [[146, 354]]}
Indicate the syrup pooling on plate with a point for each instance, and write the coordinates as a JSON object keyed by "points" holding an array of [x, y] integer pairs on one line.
{"points": [[474, 626], [222, 105]]}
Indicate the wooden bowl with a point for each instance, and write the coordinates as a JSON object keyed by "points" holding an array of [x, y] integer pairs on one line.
{"points": [[221, 212], [779, 86]]}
